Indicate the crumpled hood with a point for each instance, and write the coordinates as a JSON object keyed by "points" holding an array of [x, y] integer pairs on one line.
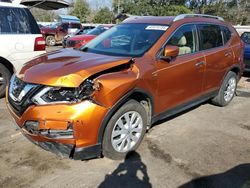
{"points": [[67, 67]]}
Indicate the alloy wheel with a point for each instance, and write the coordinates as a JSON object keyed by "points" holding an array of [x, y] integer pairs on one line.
{"points": [[127, 131], [230, 89]]}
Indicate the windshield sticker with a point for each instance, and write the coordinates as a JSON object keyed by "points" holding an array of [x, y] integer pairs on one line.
{"points": [[157, 27]]}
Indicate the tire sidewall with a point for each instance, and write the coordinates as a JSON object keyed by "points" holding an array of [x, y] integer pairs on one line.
{"points": [[108, 149], [6, 75]]}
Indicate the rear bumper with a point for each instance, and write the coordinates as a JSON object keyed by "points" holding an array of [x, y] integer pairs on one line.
{"points": [[19, 59]]}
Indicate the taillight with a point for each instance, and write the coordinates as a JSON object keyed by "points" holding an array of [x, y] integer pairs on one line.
{"points": [[39, 44]]}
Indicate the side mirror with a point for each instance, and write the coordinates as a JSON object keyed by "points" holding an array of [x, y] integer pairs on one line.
{"points": [[170, 52]]}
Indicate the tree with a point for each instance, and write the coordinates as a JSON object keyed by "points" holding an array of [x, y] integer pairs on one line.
{"points": [[151, 7], [104, 15], [80, 10], [43, 15]]}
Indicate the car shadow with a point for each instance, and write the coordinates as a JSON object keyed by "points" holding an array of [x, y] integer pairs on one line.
{"points": [[237, 177], [130, 173]]}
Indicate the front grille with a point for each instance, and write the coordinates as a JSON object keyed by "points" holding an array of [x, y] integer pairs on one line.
{"points": [[20, 94]]}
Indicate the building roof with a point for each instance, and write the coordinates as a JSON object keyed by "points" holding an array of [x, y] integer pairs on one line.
{"points": [[69, 18]]}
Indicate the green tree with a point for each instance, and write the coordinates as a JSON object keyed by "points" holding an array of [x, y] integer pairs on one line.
{"points": [[151, 7], [234, 11], [104, 15], [43, 15], [80, 9]]}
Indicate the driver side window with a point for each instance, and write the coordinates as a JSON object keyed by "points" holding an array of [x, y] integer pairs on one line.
{"points": [[184, 38]]}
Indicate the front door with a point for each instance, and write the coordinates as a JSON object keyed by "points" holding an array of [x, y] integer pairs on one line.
{"points": [[181, 79]]}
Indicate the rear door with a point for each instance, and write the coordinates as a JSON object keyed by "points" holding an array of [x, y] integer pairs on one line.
{"points": [[18, 31], [181, 79], [218, 53]]}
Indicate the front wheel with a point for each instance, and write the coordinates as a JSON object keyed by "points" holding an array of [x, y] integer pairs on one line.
{"points": [[227, 90], [125, 130]]}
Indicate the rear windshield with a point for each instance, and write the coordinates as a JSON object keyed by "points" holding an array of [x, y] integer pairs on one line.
{"points": [[246, 37], [17, 21]]}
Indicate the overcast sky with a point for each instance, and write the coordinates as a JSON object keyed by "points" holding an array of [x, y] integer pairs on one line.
{"points": [[96, 4]]}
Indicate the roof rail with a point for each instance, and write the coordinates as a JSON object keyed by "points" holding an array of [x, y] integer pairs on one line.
{"points": [[182, 16]]}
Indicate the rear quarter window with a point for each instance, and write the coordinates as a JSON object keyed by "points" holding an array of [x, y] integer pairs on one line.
{"points": [[210, 36], [226, 34], [17, 21]]}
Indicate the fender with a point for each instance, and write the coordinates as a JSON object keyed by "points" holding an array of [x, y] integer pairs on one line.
{"points": [[232, 68], [117, 105]]}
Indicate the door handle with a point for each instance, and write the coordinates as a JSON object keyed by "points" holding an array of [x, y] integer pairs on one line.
{"points": [[199, 63], [228, 54]]}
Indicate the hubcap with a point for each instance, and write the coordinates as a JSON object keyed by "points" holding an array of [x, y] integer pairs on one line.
{"points": [[127, 131], [51, 41], [230, 89]]}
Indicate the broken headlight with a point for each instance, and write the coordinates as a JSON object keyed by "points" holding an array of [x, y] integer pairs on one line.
{"points": [[50, 95]]}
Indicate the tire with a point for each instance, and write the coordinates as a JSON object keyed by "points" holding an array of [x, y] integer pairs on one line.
{"points": [[227, 90], [115, 137], [50, 40], [5, 75]]}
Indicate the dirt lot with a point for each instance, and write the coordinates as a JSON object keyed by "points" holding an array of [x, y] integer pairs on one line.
{"points": [[207, 146]]}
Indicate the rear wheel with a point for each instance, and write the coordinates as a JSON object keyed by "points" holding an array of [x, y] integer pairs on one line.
{"points": [[227, 90], [5, 75], [125, 130], [50, 40]]}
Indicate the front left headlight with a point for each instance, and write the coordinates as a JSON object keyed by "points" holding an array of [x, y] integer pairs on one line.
{"points": [[52, 95]]}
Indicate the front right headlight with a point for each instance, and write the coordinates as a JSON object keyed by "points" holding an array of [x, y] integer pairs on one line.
{"points": [[52, 95]]}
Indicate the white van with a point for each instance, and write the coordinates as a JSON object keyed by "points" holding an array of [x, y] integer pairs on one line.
{"points": [[20, 40]]}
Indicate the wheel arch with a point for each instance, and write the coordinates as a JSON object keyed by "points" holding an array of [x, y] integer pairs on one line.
{"points": [[7, 64], [236, 70], [140, 95]]}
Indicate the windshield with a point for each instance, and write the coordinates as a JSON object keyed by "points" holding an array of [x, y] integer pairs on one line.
{"points": [[98, 30], [246, 37], [126, 40]]}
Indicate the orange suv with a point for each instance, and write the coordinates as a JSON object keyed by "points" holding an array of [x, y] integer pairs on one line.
{"points": [[101, 99]]}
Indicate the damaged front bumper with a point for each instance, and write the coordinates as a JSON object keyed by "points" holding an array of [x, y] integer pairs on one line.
{"points": [[66, 130], [69, 150]]}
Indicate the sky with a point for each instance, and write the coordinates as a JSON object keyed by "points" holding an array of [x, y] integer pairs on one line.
{"points": [[96, 4]]}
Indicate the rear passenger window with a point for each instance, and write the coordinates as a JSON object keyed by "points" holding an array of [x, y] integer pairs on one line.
{"points": [[210, 36], [185, 39], [17, 21], [227, 34]]}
